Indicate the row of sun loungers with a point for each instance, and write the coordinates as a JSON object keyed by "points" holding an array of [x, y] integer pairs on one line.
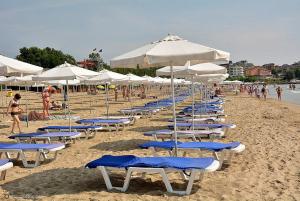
{"points": [[189, 168]]}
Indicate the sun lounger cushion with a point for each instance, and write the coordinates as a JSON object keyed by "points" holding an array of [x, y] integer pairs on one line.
{"points": [[203, 125], [54, 134], [27, 147], [104, 121], [3, 162], [213, 146], [67, 127], [151, 162]]}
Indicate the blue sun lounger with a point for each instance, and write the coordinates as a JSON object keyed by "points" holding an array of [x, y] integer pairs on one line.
{"points": [[158, 165], [65, 137], [187, 126], [192, 134], [41, 151], [107, 124], [218, 149], [138, 111], [5, 164], [88, 131], [198, 120]]}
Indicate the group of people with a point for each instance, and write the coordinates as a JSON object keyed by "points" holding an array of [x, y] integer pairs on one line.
{"points": [[292, 86], [127, 92], [259, 92], [16, 111]]}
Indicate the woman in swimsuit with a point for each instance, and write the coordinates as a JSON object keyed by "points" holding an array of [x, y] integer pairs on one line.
{"points": [[15, 110], [46, 102]]}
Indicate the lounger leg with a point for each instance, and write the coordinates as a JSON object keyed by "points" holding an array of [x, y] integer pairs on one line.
{"points": [[3, 174], [219, 157], [166, 181], [106, 178]]}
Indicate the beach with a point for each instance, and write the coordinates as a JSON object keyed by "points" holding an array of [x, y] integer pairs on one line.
{"points": [[269, 168]]}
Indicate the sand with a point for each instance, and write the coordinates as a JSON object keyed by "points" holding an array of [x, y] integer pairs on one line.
{"points": [[269, 168]]}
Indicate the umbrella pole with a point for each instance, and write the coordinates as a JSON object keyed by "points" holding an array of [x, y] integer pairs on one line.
{"points": [[27, 120], [106, 90], [174, 112], [193, 102], [67, 95]]}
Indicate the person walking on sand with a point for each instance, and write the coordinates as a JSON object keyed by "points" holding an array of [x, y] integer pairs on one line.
{"points": [[116, 93], [46, 102], [279, 92], [264, 91], [15, 110]]}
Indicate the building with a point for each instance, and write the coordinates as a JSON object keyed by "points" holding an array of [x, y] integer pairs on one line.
{"points": [[258, 71], [236, 71], [88, 64]]}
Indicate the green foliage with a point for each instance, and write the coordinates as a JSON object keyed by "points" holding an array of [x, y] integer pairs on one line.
{"points": [[100, 64], [297, 73], [47, 57], [289, 75], [243, 79]]}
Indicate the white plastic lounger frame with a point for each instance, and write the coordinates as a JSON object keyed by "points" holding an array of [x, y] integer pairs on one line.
{"points": [[88, 133], [190, 134], [49, 140], [41, 155], [223, 156], [4, 168], [137, 112], [163, 172]]}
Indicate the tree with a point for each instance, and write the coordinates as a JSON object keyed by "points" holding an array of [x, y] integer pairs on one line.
{"points": [[289, 75], [297, 73], [47, 57]]}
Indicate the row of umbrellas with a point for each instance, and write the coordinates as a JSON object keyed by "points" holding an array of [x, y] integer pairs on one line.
{"points": [[178, 54]]}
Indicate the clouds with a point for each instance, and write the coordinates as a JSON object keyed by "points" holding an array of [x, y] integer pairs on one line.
{"points": [[258, 31]]}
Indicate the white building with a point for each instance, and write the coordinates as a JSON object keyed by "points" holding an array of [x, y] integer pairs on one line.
{"points": [[236, 71]]}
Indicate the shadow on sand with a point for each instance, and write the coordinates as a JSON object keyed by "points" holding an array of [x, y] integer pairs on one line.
{"points": [[69, 181], [120, 145]]}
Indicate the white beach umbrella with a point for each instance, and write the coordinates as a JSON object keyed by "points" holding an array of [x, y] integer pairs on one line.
{"points": [[105, 76], [133, 79], [9, 65], [172, 51], [65, 72], [187, 70], [192, 73]]}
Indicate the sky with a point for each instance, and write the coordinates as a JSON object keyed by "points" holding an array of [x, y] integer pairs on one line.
{"points": [[260, 31]]}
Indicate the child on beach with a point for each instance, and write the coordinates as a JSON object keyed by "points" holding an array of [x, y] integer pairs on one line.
{"points": [[15, 110]]}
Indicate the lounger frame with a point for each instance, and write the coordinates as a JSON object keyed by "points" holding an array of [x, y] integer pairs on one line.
{"points": [[41, 155], [88, 133], [3, 170], [49, 140], [163, 172]]}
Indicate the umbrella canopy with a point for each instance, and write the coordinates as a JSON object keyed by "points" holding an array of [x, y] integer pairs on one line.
{"points": [[65, 71], [149, 79], [170, 50], [206, 77], [131, 78], [63, 82], [188, 71], [9, 65], [106, 76]]}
